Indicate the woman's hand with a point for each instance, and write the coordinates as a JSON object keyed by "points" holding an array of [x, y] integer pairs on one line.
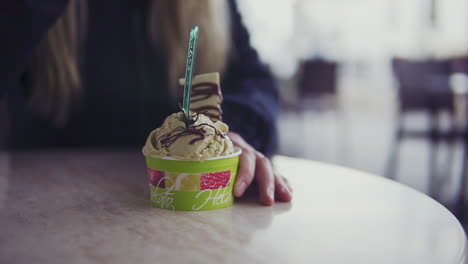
{"points": [[254, 164]]}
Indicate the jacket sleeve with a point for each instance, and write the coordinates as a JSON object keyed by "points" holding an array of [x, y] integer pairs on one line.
{"points": [[23, 23], [250, 103]]}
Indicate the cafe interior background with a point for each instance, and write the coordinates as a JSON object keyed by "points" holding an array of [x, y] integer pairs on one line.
{"points": [[375, 85]]}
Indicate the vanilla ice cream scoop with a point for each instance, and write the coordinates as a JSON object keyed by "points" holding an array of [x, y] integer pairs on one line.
{"points": [[204, 139]]}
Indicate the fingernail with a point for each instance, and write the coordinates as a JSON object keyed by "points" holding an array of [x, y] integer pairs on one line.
{"points": [[284, 189], [269, 199], [240, 188], [271, 194]]}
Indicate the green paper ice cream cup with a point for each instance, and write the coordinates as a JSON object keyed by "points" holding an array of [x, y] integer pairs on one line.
{"points": [[192, 185]]}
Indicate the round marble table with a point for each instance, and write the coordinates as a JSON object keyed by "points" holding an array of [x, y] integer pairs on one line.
{"points": [[92, 207]]}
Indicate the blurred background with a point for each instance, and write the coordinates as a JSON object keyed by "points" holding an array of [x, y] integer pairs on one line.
{"points": [[376, 85]]}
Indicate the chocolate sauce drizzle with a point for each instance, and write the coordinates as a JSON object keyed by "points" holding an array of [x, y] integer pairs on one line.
{"points": [[205, 90], [205, 110], [197, 130], [200, 91]]}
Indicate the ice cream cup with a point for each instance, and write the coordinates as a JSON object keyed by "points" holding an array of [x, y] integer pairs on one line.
{"points": [[192, 185]]}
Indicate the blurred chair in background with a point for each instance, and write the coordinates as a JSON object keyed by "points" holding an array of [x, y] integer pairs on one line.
{"points": [[459, 82], [309, 104], [423, 86], [317, 84], [319, 105]]}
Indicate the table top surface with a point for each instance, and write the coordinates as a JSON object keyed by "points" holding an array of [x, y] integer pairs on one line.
{"points": [[93, 207]]}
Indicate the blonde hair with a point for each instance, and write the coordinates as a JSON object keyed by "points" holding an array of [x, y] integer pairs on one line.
{"points": [[57, 80], [169, 27]]}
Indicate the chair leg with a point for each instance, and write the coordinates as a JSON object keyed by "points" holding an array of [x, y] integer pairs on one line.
{"points": [[392, 161], [433, 187], [343, 134], [447, 176], [460, 207]]}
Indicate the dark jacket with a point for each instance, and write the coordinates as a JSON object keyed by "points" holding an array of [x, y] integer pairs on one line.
{"points": [[125, 94]]}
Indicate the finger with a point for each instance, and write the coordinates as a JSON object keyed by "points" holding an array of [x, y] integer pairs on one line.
{"points": [[286, 181], [282, 179], [282, 192], [247, 164], [246, 171], [238, 141], [265, 179]]}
